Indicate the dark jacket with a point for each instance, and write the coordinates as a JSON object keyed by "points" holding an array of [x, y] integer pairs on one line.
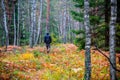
{"points": [[47, 39]]}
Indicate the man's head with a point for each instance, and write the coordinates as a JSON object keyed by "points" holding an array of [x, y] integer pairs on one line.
{"points": [[47, 33]]}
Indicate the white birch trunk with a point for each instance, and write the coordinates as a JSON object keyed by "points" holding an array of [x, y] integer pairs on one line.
{"points": [[88, 41], [39, 22], [32, 24], [64, 23], [5, 23], [33, 19], [112, 38]]}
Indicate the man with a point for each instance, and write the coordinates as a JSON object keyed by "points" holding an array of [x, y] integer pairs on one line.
{"points": [[47, 41]]}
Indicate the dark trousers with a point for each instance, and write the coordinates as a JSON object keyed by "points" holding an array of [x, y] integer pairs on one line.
{"points": [[48, 47]]}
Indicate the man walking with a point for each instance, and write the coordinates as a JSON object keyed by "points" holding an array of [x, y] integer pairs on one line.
{"points": [[47, 41]]}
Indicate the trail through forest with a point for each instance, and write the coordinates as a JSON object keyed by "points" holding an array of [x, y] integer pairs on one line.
{"points": [[64, 62], [84, 23]]}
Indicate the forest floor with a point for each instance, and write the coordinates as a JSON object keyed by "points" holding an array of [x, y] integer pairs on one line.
{"points": [[64, 62]]}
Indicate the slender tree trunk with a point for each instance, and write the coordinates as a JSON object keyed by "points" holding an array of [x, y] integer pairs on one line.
{"points": [[64, 22], [88, 41], [14, 28], [112, 38], [32, 23], [61, 26], [41, 35], [18, 27], [59, 30], [69, 29], [39, 22], [29, 16], [64, 27], [5, 24], [48, 16]]}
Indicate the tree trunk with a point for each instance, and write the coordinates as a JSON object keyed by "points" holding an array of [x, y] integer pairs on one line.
{"points": [[14, 28], [65, 22], [18, 27], [48, 16], [32, 23], [112, 38], [5, 24], [39, 22], [88, 41], [64, 27]]}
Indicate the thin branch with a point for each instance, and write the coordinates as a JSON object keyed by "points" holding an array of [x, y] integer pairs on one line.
{"points": [[107, 58]]}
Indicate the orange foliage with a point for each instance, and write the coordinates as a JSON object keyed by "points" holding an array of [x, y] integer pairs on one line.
{"points": [[62, 60], [70, 48], [11, 48]]}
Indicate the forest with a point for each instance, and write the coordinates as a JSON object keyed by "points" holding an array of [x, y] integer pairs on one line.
{"points": [[84, 40]]}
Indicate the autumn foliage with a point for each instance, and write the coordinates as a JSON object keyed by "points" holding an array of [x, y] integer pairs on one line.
{"points": [[64, 62]]}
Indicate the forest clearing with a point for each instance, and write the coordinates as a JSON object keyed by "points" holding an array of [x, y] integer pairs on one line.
{"points": [[63, 62]]}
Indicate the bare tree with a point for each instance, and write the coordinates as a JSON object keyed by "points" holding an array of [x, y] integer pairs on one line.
{"points": [[87, 41], [112, 38], [5, 24], [64, 22], [18, 27], [33, 6], [34, 23], [14, 28], [48, 16], [39, 22]]}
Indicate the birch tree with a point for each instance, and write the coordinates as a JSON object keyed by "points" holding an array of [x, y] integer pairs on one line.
{"points": [[112, 38], [39, 22], [64, 22], [34, 22], [33, 4], [87, 41], [5, 24]]}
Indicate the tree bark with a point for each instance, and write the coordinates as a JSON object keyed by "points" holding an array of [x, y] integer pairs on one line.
{"points": [[64, 21], [18, 27], [87, 42], [5, 24], [32, 23], [112, 39], [14, 28], [48, 16], [39, 22]]}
